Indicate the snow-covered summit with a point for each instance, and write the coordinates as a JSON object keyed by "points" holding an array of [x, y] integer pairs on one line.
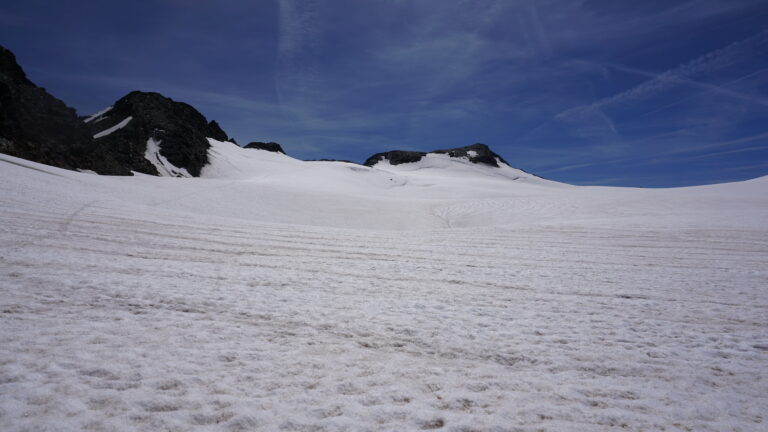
{"points": [[474, 161], [435, 174], [148, 133], [475, 153]]}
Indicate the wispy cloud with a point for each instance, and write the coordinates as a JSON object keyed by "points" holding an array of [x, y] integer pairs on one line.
{"points": [[297, 51], [709, 62], [569, 167], [556, 86], [685, 80], [690, 150], [730, 152]]}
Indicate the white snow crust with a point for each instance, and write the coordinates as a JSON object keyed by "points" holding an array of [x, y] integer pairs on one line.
{"points": [[281, 295], [118, 126]]}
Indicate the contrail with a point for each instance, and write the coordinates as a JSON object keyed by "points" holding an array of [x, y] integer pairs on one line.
{"points": [[709, 62], [297, 35], [714, 60], [685, 80]]}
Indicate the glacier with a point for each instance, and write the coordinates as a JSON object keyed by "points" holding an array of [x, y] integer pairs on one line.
{"points": [[278, 294]]}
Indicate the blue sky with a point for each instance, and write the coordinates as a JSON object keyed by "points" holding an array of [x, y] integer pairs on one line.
{"points": [[653, 93]]}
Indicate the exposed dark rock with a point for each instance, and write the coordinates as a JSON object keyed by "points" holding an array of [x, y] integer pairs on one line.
{"points": [[36, 126], [268, 146], [178, 127], [11, 69], [482, 155], [216, 132], [395, 157]]}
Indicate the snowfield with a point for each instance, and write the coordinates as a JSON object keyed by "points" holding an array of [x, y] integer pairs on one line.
{"points": [[281, 295]]}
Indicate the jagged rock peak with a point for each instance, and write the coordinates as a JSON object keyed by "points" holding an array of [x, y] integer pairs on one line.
{"points": [[475, 153], [177, 129], [217, 133], [268, 146], [10, 68], [157, 108], [36, 126]]}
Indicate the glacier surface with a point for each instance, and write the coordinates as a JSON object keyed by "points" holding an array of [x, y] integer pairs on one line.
{"points": [[276, 294]]}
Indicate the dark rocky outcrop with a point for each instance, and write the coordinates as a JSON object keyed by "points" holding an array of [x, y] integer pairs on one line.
{"points": [[482, 154], [395, 157], [178, 127], [268, 146], [36, 126], [217, 133]]}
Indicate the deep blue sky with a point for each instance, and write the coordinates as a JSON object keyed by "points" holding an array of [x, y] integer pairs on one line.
{"points": [[651, 93]]}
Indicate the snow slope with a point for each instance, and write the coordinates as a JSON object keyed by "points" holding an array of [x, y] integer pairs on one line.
{"points": [[276, 294]]}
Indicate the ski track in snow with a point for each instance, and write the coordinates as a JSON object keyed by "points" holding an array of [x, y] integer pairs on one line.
{"points": [[116, 316]]}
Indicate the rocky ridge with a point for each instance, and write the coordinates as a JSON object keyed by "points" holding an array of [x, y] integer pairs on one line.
{"points": [[268, 146], [475, 153], [142, 132], [178, 130], [36, 126]]}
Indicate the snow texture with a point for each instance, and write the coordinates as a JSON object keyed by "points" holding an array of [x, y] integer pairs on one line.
{"points": [[280, 295], [118, 126]]}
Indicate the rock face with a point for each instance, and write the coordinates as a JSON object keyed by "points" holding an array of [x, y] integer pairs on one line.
{"points": [[268, 146], [395, 157], [36, 126], [179, 130], [476, 153], [142, 132]]}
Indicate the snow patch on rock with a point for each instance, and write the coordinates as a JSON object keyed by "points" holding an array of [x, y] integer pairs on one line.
{"points": [[163, 166], [118, 126], [97, 116]]}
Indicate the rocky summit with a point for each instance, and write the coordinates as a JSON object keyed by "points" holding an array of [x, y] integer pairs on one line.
{"points": [[142, 132], [142, 119], [268, 146], [475, 153], [36, 126]]}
